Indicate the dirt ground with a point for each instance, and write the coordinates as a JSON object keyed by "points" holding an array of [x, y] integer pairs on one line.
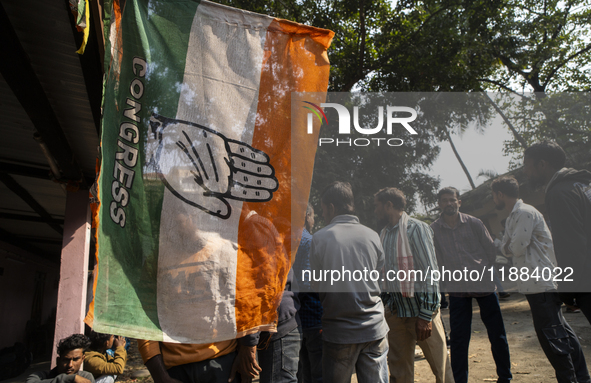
{"points": [[529, 364]]}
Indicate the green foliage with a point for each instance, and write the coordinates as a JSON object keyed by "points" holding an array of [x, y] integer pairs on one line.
{"points": [[447, 45]]}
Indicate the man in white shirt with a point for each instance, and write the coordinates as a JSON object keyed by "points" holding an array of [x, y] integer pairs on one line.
{"points": [[528, 240]]}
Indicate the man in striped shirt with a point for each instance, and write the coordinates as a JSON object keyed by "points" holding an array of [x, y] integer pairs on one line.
{"points": [[412, 300]]}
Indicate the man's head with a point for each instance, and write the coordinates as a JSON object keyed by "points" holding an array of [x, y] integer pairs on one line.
{"points": [[70, 353], [337, 199], [100, 341], [449, 201], [309, 222], [505, 191], [541, 161], [387, 203]]}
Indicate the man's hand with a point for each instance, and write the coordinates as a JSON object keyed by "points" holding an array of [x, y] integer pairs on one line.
{"points": [[246, 364], [80, 379], [423, 329], [119, 341], [506, 249], [158, 370]]}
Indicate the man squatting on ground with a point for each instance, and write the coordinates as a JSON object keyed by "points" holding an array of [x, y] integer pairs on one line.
{"points": [[101, 365], [462, 241], [412, 308], [527, 239], [568, 205], [353, 323], [70, 353]]}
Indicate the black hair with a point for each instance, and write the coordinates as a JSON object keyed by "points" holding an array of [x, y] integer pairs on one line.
{"points": [[548, 151], [97, 340], [340, 195], [309, 210], [73, 342], [506, 185], [448, 190], [394, 195]]}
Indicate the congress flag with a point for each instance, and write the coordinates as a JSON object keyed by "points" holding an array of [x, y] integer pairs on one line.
{"points": [[195, 188]]}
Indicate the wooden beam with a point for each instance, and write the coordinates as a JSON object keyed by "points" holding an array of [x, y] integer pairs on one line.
{"points": [[25, 170], [39, 172], [15, 241], [47, 241], [29, 200], [27, 218], [22, 80]]}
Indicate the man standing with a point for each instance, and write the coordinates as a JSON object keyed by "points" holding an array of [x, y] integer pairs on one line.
{"points": [[70, 353], [222, 361], [568, 204], [354, 328], [463, 243], [413, 314], [527, 239], [189, 363], [310, 311]]}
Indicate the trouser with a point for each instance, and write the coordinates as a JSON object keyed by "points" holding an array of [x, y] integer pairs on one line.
{"points": [[105, 379], [279, 359], [460, 317], [206, 371], [557, 338], [368, 359], [310, 370], [401, 355]]}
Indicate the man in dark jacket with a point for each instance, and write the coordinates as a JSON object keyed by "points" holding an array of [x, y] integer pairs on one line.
{"points": [[568, 204]]}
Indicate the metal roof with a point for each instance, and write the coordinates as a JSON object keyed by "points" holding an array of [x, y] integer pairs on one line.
{"points": [[47, 90]]}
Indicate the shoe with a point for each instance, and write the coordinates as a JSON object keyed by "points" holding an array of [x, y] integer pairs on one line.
{"points": [[571, 311], [504, 295]]}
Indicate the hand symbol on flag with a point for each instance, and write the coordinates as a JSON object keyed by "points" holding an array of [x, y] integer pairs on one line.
{"points": [[204, 168]]}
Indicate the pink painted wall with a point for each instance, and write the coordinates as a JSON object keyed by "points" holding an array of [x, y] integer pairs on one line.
{"points": [[17, 287]]}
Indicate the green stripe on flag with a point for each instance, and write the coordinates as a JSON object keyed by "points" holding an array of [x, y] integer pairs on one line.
{"points": [[147, 80]]}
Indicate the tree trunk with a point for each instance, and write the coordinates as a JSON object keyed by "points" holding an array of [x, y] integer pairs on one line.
{"points": [[453, 147], [518, 136]]}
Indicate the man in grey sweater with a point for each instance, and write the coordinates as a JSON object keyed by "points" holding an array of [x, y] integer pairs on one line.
{"points": [[347, 259]]}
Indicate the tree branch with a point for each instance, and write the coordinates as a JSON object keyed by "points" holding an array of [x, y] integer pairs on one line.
{"points": [[553, 72], [500, 85]]}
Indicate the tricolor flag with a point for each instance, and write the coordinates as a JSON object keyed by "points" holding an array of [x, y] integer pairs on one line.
{"points": [[195, 188]]}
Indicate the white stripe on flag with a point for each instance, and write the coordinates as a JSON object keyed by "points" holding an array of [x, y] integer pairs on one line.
{"points": [[197, 252]]}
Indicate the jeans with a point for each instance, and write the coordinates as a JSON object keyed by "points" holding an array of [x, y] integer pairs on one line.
{"points": [[370, 361], [310, 370], [460, 317], [279, 360], [558, 340], [207, 371], [106, 379]]}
